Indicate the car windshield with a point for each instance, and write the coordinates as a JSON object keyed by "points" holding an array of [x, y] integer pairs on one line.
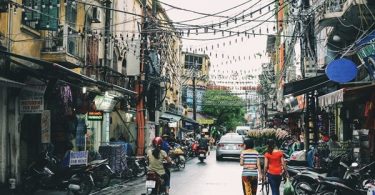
{"points": [[241, 131]]}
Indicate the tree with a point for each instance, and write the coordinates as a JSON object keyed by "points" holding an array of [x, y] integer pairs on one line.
{"points": [[229, 110]]}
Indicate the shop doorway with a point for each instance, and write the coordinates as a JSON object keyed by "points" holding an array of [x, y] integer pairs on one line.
{"points": [[30, 139]]}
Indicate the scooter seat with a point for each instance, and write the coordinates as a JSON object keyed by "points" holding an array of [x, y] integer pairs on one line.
{"points": [[334, 179]]}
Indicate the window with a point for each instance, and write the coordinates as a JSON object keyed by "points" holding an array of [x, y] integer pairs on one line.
{"points": [[190, 61], [41, 14], [31, 18], [71, 13]]}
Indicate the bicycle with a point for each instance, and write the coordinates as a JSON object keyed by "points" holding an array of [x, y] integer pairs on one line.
{"points": [[266, 184]]}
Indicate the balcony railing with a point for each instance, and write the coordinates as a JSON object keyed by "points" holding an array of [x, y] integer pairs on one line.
{"points": [[330, 6], [66, 40]]}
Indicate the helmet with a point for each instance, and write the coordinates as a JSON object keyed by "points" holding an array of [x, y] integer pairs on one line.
{"points": [[157, 141]]}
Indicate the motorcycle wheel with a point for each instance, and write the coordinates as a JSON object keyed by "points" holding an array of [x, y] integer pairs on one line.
{"points": [[85, 186], [102, 178]]}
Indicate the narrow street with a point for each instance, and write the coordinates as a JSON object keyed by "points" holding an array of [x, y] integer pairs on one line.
{"points": [[209, 177]]}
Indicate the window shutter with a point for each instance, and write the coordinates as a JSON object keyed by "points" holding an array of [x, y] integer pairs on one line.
{"points": [[49, 18], [32, 14]]}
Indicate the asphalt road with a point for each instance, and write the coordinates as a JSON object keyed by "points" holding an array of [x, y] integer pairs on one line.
{"points": [[207, 178]]}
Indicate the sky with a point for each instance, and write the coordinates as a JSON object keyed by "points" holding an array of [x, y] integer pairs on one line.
{"points": [[228, 55]]}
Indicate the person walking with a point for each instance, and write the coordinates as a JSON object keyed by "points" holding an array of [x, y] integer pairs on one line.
{"points": [[251, 171], [274, 166]]}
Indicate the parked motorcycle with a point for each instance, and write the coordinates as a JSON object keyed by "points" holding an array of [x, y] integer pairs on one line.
{"points": [[348, 185], [101, 172], [355, 181], [45, 174], [308, 176], [135, 167]]}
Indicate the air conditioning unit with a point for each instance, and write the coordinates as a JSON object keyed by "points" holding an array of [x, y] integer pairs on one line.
{"points": [[96, 15]]}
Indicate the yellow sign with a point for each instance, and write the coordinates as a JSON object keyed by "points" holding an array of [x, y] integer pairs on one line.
{"points": [[204, 121]]}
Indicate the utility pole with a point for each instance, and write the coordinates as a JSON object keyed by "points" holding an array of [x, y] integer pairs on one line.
{"points": [[194, 98], [139, 85], [194, 92]]}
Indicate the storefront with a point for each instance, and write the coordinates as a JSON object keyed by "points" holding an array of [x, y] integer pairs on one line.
{"points": [[353, 111], [47, 106]]}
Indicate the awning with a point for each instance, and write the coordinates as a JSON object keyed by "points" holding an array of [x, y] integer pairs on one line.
{"points": [[171, 117], [49, 69], [332, 98], [347, 95], [10, 83], [185, 129], [189, 120], [300, 87]]}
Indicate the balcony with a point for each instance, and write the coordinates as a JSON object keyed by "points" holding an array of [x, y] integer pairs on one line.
{"points": [[64, 47], [334, 12]]}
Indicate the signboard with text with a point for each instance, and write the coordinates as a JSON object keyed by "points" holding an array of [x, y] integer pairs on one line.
{"points": [[78, 158], [104, 103], [95, 116], [32, 97], [32, 104]]}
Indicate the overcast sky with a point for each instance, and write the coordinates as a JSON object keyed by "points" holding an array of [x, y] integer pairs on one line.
{"points": [[243, 49]]}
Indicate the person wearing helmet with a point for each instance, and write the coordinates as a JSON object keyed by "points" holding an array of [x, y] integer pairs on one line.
{"points": [[165, 145], [203, 142], [156, 156]]}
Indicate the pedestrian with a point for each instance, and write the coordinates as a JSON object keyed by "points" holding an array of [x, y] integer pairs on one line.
{"points": [[274, 166], [251, 171]]}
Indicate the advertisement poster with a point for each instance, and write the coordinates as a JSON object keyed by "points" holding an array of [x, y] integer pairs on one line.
{"points": [[46, 127]]}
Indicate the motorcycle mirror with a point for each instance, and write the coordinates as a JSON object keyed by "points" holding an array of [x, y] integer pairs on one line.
{"points": [[354, 165]]}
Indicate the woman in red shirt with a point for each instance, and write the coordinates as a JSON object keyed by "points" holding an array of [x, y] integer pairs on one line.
{"points": [[274, 166]]}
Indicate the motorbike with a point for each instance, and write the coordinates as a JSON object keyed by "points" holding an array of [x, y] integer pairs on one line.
{"points": [[46, 174], [195, 148], [154, 184], [178, 158], [355, 181], [136, 166], [202, 154], [101, 172], [308, 176]]}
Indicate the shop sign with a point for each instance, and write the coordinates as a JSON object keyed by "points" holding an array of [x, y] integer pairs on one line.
{"points": [[204, 121], [104, 103], [95, 116], [78, 158], [46, 127], [32, 104], [341, 70]]}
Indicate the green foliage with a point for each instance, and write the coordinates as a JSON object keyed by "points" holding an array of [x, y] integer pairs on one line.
{"points": [[229, 110]]}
